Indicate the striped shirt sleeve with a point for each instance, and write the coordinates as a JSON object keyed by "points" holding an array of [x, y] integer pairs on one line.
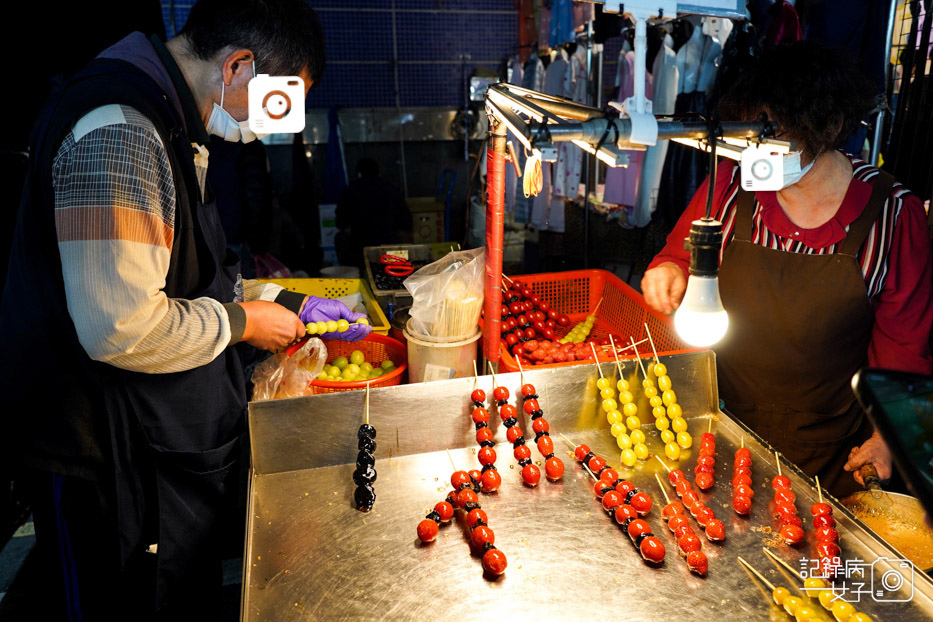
{"points": [[114, 217]]}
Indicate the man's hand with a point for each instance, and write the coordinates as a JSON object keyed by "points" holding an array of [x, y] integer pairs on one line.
{"points": [[874, 451], [663, 287], [270, 326]]}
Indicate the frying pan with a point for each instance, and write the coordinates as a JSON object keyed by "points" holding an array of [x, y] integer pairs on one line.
{"points": [[895, 518]]}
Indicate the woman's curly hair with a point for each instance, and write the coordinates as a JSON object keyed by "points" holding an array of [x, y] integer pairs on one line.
{"points": [[813, 92]]}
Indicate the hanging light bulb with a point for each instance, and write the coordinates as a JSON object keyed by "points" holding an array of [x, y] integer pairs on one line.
{"points": [[701, 320]]}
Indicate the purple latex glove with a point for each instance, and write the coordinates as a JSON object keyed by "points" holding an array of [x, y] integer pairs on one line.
{"points": [[327, 309]]}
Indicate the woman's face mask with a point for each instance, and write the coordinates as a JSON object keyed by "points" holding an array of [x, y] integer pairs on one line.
{"points": [[792, 170]]}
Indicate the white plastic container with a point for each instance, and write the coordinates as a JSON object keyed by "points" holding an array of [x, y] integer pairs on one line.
{"points": [[432, 359]]}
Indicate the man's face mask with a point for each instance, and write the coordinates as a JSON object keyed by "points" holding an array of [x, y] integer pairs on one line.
{"points": [[221, 123]]}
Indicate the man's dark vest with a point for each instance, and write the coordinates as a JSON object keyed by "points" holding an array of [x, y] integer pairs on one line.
{"points": [[162, 447]]}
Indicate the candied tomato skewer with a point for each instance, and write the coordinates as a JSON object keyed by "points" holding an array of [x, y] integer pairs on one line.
{"points": [[827, 538], [791, 530], [531, 474], [464, 497], [688, 544], [553, 466], [490, 479], [622, 502], [714, 528], [705, 467], [742, 491]]}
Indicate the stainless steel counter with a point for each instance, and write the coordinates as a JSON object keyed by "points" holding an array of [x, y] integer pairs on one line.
{"points": [[312, 556]]}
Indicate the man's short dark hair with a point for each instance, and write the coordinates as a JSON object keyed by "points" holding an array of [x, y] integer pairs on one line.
{"points": [[284, 35], [367, 167], [815, 93]]}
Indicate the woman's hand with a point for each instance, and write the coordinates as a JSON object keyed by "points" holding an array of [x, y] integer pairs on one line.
{"points": [[663, 287], [873, 451]]}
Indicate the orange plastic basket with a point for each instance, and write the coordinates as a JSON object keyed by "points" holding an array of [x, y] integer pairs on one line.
{"points": [[375, 348], [623, 311]]}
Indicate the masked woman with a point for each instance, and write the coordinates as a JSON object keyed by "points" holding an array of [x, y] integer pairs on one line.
{"points": [[820, 278]]}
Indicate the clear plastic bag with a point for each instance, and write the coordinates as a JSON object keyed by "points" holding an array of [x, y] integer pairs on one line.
{"points": [[283, 375], [448, 295]]}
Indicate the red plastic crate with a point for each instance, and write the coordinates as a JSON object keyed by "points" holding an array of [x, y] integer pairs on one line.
{"points": [[623, 311]]}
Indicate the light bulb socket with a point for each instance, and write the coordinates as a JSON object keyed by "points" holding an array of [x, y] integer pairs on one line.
{"points": [[704, 244]]}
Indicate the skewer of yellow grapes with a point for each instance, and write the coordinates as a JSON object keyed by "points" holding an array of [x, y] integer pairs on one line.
{"points": [[333, 326], [668, 400], [842, 610], [793, 605], [618, 424], [632, 443], [661, 422]]}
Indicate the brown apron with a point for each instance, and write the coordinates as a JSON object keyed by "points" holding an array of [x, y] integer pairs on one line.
{"points": [[799, 329]]}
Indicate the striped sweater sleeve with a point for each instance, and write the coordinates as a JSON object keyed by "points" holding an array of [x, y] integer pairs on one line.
{"points": [[114, 217]]}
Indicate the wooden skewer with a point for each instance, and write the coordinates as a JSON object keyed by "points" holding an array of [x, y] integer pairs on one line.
{"points": [[596, 360], [742, 445], [451, 459], [819, 491], [663, 489], [666, 468], [597, 306], [624, 348], [489, 363], [757, 574], [475, 374], [640, 364], [771, 554], [520, 370], [569, 442], [367, 403], [510, 281], [709, 428], [651, 341], [777, 458], [616, 354]]}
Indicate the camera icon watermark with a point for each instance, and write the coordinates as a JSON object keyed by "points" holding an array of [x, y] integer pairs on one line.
{"points": [[276, 104], [892, 580]]}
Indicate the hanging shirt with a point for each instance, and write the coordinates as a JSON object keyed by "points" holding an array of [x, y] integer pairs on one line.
{"points": [[570, 157], [712, 54], [895, 258], [547, 213], [664, 79], [511, 179], [583, 12], [622, 183], [532, 79], [561, 26], [785, 25], [689, 58]]}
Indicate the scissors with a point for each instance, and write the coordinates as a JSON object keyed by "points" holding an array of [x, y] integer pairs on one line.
{"points": [[396, 266]]}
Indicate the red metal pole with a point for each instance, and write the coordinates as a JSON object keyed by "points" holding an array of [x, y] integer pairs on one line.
{"points": [[495, 216]]}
